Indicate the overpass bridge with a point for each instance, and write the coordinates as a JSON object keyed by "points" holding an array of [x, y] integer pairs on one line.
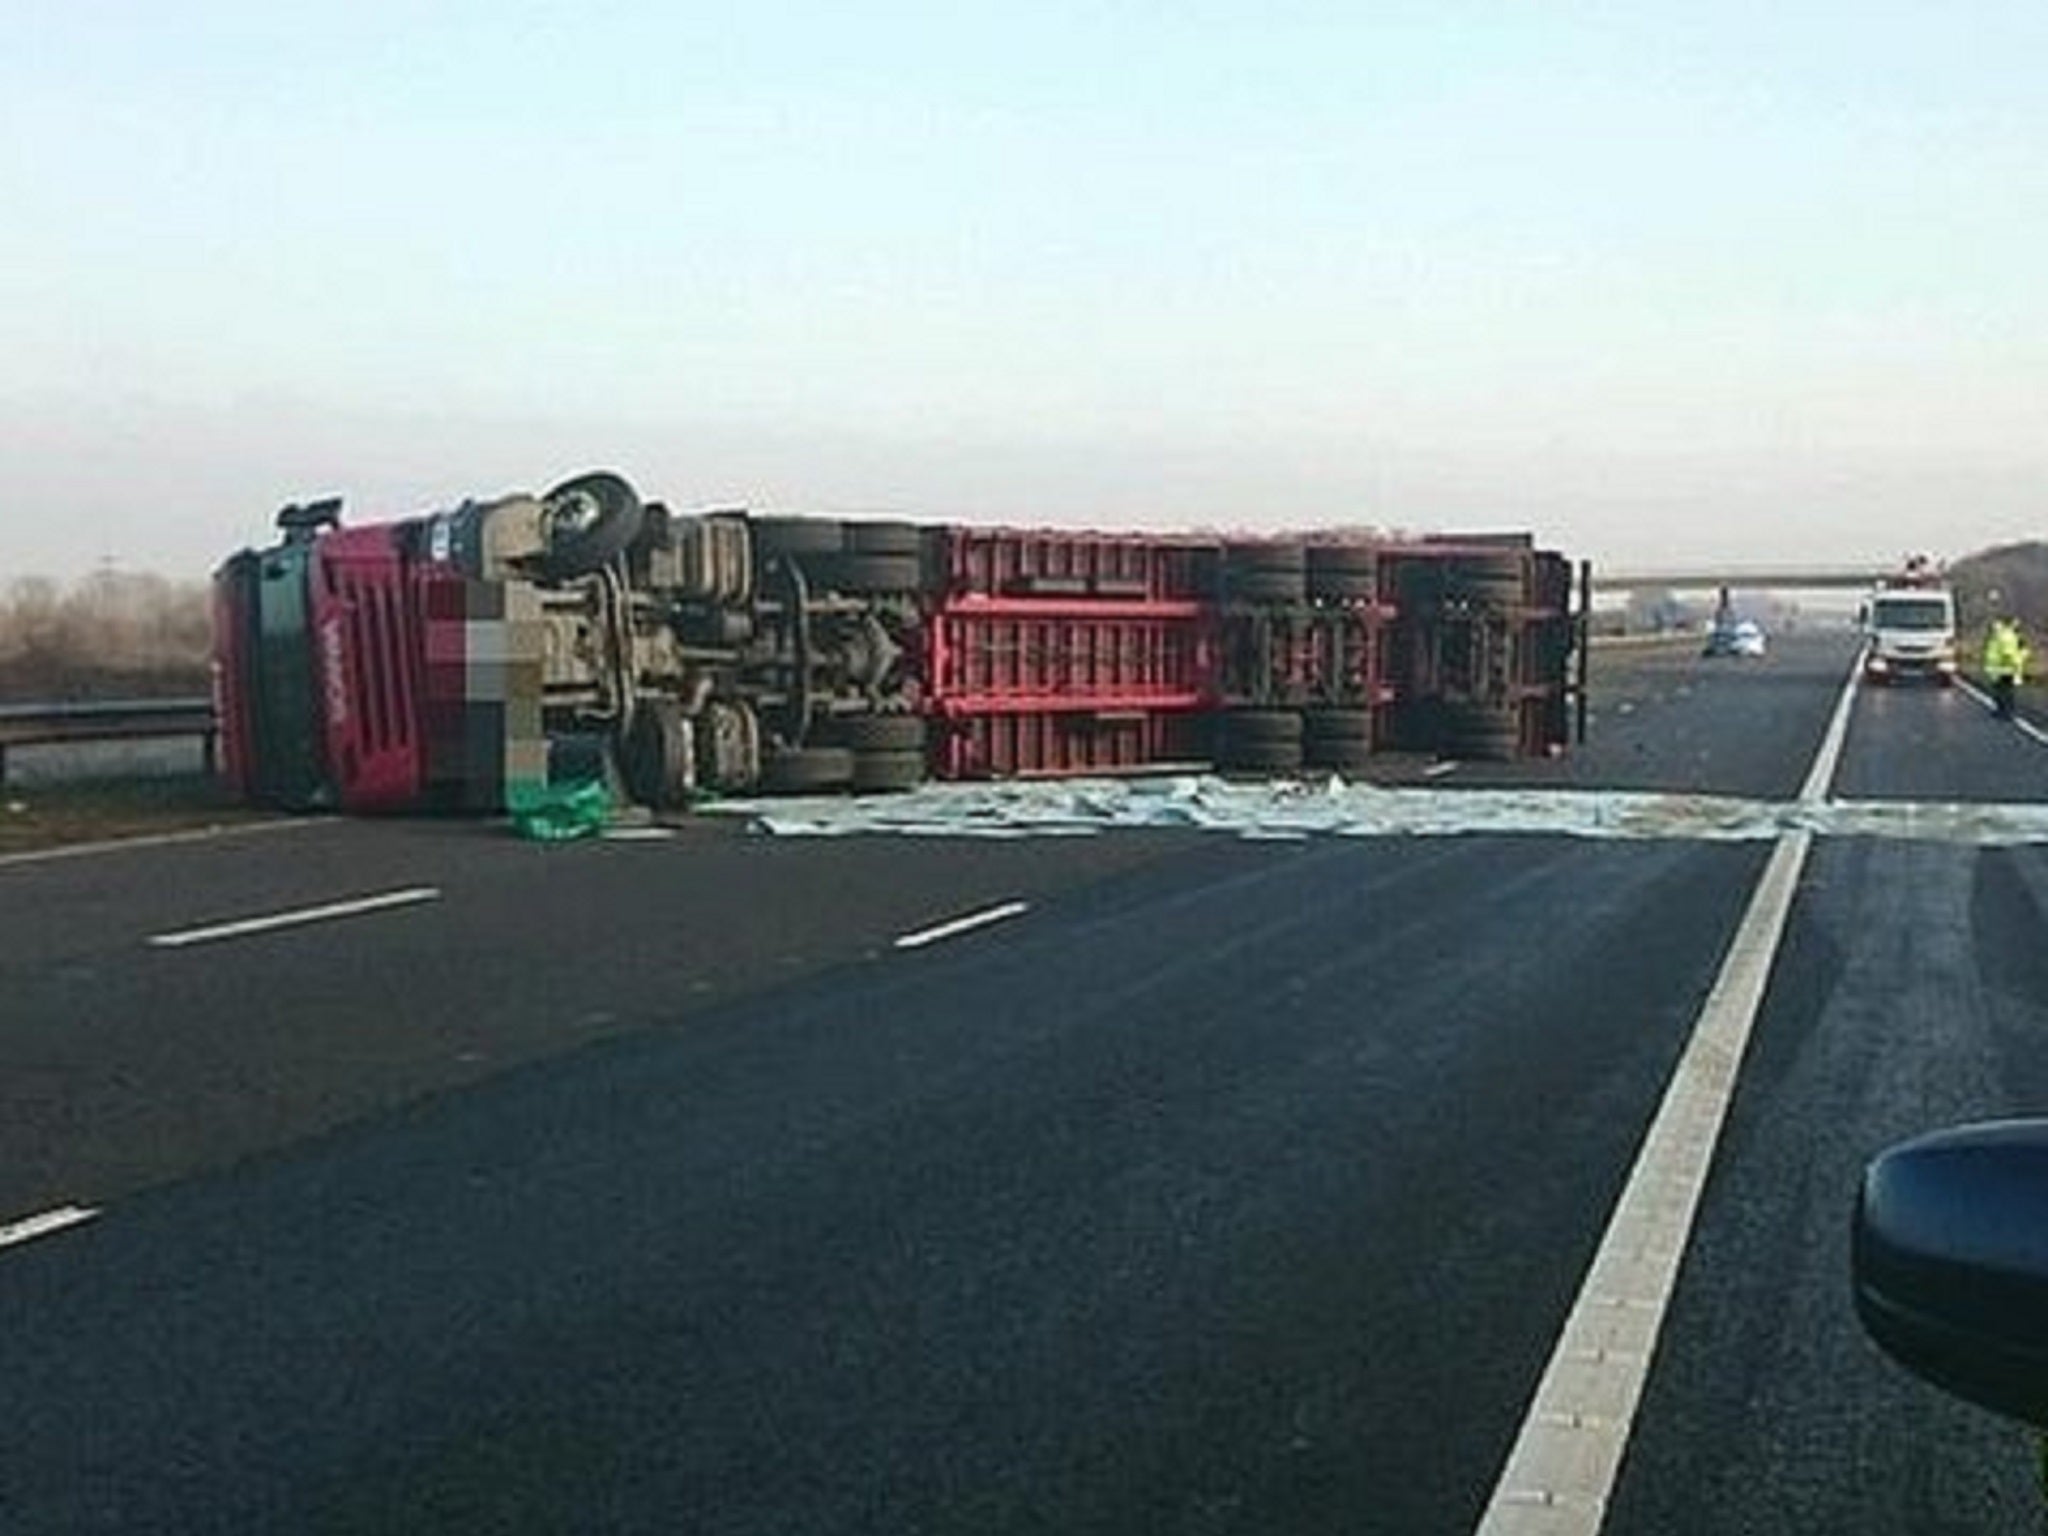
{"points": [[1814, 578]]}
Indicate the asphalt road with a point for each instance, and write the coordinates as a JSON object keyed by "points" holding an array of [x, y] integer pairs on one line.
{"points": [[1225, 1187], [1666, 718]]}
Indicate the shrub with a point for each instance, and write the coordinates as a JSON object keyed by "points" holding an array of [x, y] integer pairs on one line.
{"points": [[112, 634]]}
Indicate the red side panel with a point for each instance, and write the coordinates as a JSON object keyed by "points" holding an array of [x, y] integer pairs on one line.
{"points": [[1050, 563], [367, 641], [1050, 652]]}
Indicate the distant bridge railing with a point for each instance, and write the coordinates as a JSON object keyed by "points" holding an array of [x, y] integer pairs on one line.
{"points": [[45, 724], [1763, 578]]}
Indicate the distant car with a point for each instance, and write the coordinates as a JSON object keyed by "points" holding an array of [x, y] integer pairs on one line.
{"points": [[1743, 639]]}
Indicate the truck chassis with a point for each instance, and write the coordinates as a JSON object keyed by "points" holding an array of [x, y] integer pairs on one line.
{"points": [[471, 658]]}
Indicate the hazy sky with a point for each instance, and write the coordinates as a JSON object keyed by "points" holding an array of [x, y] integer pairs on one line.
{"points": [[1660, 281]]}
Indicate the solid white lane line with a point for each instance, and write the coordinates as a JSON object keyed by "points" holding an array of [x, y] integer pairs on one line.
{"points": [[411, 896], [958, 925], [2024, 726], [43, 1224], [1822, 773], [1561, 1472], [156, 840]]}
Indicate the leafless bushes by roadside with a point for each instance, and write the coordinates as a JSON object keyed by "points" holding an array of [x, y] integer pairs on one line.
{"points": [[114, 634], [2010, 579]]}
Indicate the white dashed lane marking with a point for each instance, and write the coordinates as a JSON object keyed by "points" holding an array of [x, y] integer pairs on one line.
{"points": [[42, 1225], [959, 925], [330, 911]]}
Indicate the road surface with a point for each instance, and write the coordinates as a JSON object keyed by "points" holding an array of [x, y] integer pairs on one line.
{"points": [[732, 1184]]}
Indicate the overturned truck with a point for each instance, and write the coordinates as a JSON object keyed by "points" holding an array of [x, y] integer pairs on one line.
{"points": [[470, 659]]}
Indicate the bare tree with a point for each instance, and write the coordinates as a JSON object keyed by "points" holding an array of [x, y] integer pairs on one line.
{"points": [[114, 632]]}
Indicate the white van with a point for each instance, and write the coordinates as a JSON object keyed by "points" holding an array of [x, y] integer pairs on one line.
{"points": [[1909, 633]]}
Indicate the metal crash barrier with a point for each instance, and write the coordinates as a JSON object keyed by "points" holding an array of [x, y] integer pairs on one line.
{"points": [[46, 724]]}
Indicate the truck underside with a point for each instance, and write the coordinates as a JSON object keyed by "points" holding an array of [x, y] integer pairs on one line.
{"points": [[471, 658]]}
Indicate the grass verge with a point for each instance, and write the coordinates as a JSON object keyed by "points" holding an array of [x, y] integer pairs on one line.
{"points": [[35, 816]]}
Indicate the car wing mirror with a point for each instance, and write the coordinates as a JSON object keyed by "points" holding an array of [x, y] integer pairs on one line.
{"points": [[1950, 1262]]}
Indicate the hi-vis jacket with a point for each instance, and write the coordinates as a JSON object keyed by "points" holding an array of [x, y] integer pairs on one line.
{"points": [[2005, 653]]}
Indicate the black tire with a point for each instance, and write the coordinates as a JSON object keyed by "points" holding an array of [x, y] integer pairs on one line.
{"points": [[1341, 587], [1261, 741], [874, 733], [798, 535], [1261, 725], [1266, 573], [1480, 734], [1344, 557], [1500, 580], [1342, 753], [799, 770], [1338, 725], [887, 772], [1269, 586], [1420, 584], [885, 538], [849, 573], [599, 515], [1263, 556], [658, 763], [1343, 572], [1262, 756], [1338, 738]]}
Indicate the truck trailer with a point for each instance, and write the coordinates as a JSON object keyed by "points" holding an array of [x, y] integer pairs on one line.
{"points": [[477, 657]]}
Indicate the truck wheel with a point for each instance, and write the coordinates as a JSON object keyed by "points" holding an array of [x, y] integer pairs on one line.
{"points": [[1338, 738], [1266, 555], [659, 761], [1339, 754], [887, 772], [1353, 723], [1343, 572], [1263, 757], [799, 770], [1261, 740], [798, 535], [860, 574], [1498, 579], [590, 521], [874, 733], [728, 747], [1265, 573], [1262, 725], [1478, 733], [884, 538]]}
